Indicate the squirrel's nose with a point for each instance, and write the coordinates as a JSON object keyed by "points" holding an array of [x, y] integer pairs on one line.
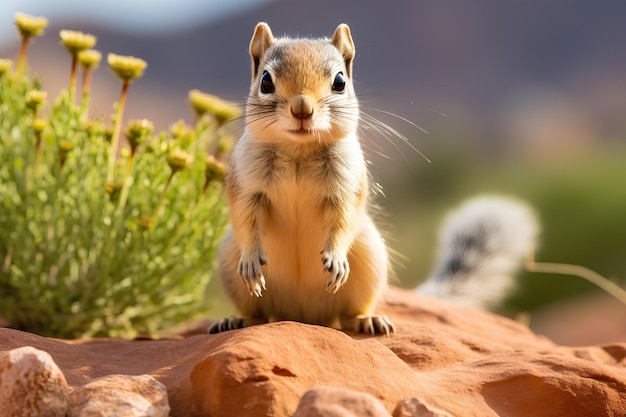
{"points": [[302, 107]]}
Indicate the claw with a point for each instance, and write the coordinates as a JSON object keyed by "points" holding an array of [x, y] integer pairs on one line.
{"points": [[374, 324], [258, 287], [249, 269], [229, 323], [338, 267]]}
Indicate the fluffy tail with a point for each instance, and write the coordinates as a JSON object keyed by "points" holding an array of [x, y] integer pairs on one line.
{"points": [[482, 245]]}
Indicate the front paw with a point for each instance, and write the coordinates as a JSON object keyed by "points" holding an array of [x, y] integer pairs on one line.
{"points": [[250, 272], [337, 265]]}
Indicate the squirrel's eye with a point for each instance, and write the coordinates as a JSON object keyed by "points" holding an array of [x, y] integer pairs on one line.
{"points": [[267, 85], [339, 85]]}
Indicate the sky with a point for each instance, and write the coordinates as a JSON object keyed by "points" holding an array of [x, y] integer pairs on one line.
{"points": [[144, 16]]}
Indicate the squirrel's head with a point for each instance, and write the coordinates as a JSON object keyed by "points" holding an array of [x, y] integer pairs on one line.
{"points": [[301, 89]]}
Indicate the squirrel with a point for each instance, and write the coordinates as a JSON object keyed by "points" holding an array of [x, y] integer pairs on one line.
{"points": [[303, 245]]}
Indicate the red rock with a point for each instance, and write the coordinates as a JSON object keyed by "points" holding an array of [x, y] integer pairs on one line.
{"points": [[31, 385], [339, 402], [413, 407], [291, 358], [120, 396], [455, 359]]}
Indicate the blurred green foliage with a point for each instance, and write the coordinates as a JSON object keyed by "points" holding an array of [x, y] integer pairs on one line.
{"points": [[580, 200]]}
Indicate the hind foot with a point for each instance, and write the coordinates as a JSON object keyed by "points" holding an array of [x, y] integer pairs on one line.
{"points": [[370, 324], [228, 323]]}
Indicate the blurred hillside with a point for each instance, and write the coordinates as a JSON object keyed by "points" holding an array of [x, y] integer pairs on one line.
{"points": [[488, 65], [534, 96]]}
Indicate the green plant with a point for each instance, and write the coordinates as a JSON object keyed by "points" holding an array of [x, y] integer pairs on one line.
{"points": [[96, 241]]}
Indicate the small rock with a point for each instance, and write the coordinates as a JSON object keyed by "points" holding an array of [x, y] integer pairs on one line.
{"points": [[31, 384], [415, 408], [339, 402], [120, 396]]}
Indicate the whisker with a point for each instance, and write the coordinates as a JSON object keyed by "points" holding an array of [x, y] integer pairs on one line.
{"points": [[259, 112], [382, 155], [386, 131], [404, 119], [379, 126], [382, 129], [437, 112], [343, 110], [367, 126]]}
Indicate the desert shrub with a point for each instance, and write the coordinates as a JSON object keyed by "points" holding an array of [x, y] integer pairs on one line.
{"points": [[101, 236]]}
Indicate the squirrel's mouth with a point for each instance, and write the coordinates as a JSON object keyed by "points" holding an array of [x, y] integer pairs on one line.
{"points": [[302, 132]]}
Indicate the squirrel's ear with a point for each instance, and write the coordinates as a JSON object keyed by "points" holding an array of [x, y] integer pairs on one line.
{"points": [[261, 40], [342, 40]]}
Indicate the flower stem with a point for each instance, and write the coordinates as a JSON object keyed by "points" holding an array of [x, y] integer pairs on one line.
{"points": [[163, 193], [38, 141], [37, 148], [117, 129], [580, 271], [21, 61], [73, 79], [125, 185], [85, 91], [86, 82]]}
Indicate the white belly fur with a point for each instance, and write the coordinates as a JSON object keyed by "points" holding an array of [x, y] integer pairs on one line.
{"points": [[293, 235]]}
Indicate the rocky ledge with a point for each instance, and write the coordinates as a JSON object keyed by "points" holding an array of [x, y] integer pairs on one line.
{"points": [[445, 360]]}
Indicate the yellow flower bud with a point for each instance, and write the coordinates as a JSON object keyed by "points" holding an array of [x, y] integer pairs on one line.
{"points": [[93, 127], [214, 170], [39, 125], [35, 99], [108, 133], [179, 129], [89, 58], [137, 131], [178, 160], [113, 189], [30, 25], [145, 222], [5, 66], [224, 147], [124, 153], [65, 147], [221, 110], [126, 67], [76, 41]]}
